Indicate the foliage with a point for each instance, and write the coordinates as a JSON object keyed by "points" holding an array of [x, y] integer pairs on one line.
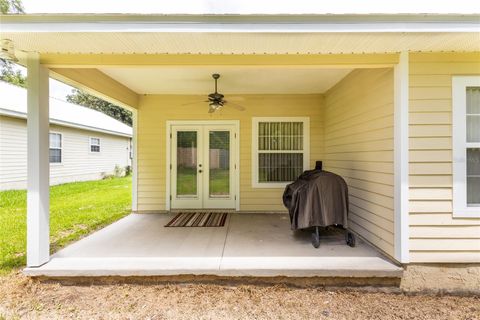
{"points": [[118, 171], [7, 72], [9, 75], [76, 209], [87, 100], [11, 6]]}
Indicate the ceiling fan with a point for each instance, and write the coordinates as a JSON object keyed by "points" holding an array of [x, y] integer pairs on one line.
{"points": [[216, 100]]}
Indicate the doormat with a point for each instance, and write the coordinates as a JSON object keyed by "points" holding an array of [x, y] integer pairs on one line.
{"points": [[198, 219]]}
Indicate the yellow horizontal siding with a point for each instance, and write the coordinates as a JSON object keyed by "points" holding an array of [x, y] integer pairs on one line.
{"points": [[435, 235], [155, 110], [359, 147]]}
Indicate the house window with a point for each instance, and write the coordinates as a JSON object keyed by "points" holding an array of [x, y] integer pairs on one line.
{"points": [[466, 146], [94, 145], [55, 153], [280, 150]]}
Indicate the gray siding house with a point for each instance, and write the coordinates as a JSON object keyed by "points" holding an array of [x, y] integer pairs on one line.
{"points": [[84, 144]]}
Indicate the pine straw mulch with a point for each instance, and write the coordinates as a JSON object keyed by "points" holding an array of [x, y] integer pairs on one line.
{"points": [[24, 298]]}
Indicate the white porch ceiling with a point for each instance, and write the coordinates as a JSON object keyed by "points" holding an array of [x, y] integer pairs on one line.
{"points": [[241, 43], [233, 80]]}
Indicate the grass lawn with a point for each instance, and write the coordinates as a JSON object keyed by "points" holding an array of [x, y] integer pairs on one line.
{"points": [[76, 209]]}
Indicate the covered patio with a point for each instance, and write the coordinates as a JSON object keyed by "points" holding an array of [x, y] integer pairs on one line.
{"points": [[249, 245], [343, 80]]}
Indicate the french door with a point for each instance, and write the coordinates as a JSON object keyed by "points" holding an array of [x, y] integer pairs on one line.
{"points": [[202, 171]]}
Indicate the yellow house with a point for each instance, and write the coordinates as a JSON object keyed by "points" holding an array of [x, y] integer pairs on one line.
{"points": [[389, 102]]}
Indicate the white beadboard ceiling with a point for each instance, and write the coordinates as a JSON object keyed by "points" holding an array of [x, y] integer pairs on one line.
{"points": [[241, 43], [233, 80]]}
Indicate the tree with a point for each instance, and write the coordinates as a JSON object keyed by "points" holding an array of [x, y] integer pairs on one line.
{"points": [[11, 6], [7, 72], [10, 75], [87, 100]]}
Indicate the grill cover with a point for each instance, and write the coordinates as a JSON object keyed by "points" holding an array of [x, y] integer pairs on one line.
{"points": [[317, 198]]}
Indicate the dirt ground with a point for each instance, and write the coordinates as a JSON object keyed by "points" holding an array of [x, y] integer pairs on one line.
{"points": [[22, 298]]}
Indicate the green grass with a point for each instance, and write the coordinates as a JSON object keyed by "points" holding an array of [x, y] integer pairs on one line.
{"points": [[76, 209], [187, 183]]}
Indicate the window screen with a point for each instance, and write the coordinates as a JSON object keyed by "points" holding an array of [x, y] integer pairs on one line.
{"points": [[280, 151]]}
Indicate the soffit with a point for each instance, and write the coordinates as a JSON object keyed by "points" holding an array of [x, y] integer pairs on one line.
{"points": [[241, 43]]}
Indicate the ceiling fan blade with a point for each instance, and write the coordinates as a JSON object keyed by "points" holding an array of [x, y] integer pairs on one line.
{"points": [[236, 98], [236, 106], [190, 103]]}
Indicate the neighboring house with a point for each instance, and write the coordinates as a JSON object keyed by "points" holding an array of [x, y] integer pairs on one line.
{"points": [[389, 102], [84, 144]]}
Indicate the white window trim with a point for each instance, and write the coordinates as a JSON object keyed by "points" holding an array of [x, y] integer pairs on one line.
{"points": [[459, 85], [61, 149], [90, 145], [306, 148]]}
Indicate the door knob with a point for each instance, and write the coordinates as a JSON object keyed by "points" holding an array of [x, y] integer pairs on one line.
{"points": [[199, 171]]}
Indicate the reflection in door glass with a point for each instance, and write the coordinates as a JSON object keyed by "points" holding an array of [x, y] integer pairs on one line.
{"points": [[186, 163], [219, 160]]}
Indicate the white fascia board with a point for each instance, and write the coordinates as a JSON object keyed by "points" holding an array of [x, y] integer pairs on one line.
{"points": [[241, 23], [21, 115]]}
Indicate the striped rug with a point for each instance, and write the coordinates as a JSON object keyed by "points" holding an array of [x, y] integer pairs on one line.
{"points": [[198, 219]]}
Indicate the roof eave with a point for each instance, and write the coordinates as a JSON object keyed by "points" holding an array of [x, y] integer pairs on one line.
{"points": [[241, 23]]}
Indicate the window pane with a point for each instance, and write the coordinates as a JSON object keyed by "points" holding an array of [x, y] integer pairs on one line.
{"points": [[55, 156], [219, 162], [95, 148], [473, 100], [473, 128], [280, 136], [186, 163], [279, 167], [473, 176], [473, 114], [95, 141], [55, 140]]}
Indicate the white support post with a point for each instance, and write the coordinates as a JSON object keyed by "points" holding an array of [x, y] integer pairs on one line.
{"points": [[38, 172], [401, 189], [134, 161]]}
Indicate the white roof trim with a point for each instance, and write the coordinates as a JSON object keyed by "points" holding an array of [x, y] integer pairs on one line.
{"points": [[242, 23], [21, 115], [14, 104]]}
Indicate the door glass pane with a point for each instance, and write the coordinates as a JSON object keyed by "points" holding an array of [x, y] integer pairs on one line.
{"points": [[473, 114], [186, 163], [473, 176], [219, 163]]}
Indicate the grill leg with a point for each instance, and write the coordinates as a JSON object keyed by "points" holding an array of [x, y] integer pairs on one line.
{"points": [[316, 238]]}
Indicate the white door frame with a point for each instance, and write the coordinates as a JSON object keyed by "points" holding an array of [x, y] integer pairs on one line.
{"points": [[235, 149]]}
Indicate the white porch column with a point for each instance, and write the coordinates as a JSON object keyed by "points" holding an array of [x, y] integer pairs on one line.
{"points": [[401, 188], [38, 172], [134, 161]]}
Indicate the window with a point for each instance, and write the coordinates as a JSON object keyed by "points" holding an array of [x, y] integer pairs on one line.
{"points": [[55, 155], [94, 145], [280, 150], [466, 146]]}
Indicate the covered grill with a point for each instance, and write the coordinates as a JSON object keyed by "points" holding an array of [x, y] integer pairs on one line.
{"points": [[318, 199]]}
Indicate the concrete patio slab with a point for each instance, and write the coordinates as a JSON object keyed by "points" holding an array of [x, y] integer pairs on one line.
{"points": [[257, 245]]}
